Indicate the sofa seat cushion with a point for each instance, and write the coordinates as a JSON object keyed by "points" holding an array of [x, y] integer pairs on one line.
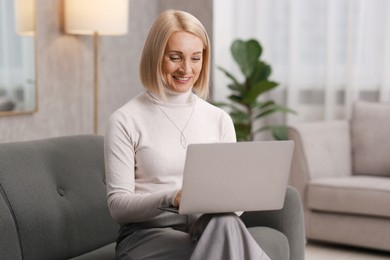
{"points": [[362, 195]]}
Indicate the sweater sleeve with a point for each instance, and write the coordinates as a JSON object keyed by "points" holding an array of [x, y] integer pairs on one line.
{"points": [[228, 132], [125, 205]]}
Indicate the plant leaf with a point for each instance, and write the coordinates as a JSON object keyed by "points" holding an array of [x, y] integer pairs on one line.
{"points": [[280, 132], [246, 54], [262, 105], [237, 87], [266, 113], [260, 72], [257, 90], [242, 132], [238, 109], [221, 104], [275, 108], [229, 75], [237, 99], [239, 117]]}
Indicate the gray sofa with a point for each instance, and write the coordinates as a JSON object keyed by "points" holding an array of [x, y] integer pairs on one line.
{"points": [[342, 171], [53, 205]]}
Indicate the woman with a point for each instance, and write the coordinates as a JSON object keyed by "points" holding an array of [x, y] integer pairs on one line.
{"points": [[145, 148]]}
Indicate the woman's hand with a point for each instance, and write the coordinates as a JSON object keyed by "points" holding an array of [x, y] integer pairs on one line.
{"points": [[176, 202]]}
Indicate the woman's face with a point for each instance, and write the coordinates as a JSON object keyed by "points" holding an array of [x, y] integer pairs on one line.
{"points": [[182, 61]]}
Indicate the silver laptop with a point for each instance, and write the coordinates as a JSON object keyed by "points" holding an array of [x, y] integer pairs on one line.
{"points": [[229, 177]]}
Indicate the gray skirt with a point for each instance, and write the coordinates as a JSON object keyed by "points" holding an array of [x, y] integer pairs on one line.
{"points": [[177, 237]]}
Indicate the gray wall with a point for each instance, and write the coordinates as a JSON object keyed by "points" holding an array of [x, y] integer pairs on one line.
{"points": [[65, 70]]}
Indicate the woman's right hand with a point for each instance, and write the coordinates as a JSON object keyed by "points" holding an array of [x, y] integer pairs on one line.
{"points": [[177, 199]]}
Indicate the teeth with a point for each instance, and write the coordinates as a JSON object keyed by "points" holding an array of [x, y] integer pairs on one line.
{"points": [[179, 78]]}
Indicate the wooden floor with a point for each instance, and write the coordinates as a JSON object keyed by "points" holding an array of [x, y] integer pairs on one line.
{"points": [[322, 251]]}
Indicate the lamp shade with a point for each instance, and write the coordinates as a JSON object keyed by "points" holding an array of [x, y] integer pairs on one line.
{"points": [[24, 17], [105, 17]]}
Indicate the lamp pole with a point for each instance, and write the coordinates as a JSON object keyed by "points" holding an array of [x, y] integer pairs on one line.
{"points": [[95, 83], [96, 17]]}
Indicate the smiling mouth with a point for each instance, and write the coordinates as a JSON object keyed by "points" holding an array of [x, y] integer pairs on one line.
{"points": [[182, 78]]}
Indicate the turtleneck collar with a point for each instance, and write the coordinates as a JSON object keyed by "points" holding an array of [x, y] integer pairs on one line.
{"points": [[175, 97]]}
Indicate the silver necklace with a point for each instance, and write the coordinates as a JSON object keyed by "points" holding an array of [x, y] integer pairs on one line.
{"points": [[183, 140]]}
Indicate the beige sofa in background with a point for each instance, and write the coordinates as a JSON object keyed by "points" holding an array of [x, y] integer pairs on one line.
{"points": [[342, 172]]}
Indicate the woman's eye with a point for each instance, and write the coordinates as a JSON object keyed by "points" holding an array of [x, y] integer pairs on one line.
{"points": [[174, 58], [196, 58]]}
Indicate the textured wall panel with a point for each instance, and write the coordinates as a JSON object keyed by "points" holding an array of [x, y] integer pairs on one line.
{"points": [[65, 70]]}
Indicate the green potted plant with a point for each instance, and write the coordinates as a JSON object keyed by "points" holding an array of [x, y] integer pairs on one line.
{"points": [[245, 107]]}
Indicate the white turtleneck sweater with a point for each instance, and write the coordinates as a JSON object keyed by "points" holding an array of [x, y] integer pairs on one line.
{"points": [[144, 157]]}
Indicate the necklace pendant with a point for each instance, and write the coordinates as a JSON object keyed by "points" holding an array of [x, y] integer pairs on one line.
{"points": [[183, 141]]}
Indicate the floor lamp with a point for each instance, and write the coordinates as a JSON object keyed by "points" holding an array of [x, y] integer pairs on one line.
{"points": [[96, 17]]}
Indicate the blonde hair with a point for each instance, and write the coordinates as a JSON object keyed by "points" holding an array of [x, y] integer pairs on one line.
{"points": [[167, 23]]}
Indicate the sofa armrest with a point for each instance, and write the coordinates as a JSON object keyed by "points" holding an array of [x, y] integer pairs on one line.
{"points": [[299, 173], [289, 220], [9, 240]]}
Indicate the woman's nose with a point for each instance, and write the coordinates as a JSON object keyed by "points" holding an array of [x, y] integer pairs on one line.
{"points": [[185, 67]]}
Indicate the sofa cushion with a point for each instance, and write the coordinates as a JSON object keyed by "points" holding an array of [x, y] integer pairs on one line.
{"points": [[327, 148], [362, 195], [370, 133]]}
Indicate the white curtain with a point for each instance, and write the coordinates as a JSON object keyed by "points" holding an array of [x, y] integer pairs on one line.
{"points": [[325, 54]]}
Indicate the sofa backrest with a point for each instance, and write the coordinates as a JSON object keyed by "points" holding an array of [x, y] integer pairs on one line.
{"points": [[53, 198], [370, 138], [326, 148]]}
